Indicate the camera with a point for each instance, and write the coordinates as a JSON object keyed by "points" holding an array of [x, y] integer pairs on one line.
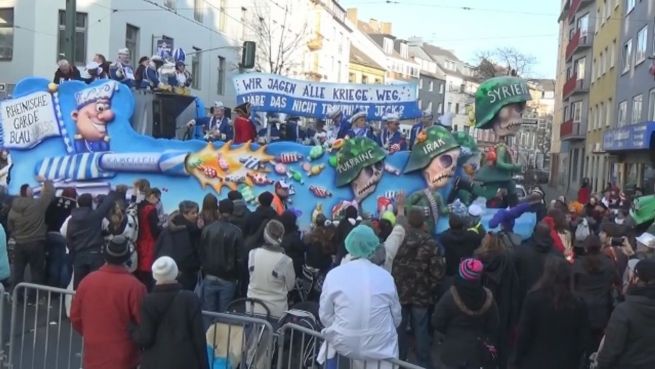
{"points": [[617, 241]]}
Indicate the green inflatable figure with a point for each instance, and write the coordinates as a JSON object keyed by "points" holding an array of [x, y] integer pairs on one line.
{"points": [[499, 105], [360, 163], [435, 153], [469, 161]]}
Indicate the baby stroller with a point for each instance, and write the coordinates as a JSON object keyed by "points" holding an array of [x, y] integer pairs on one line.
{"points": [[309, 284], [297, 348], [236, 341]]}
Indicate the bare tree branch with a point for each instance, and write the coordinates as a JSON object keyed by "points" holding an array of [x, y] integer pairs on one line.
{"points": [[504, 61]]}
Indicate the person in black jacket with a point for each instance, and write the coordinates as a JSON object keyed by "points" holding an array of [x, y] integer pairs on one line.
{"points": [[594, 276], [241, 211], [349, 221], [170, 332], [630, 333], [84, 233], [530, 258], [466, 315], [458, 242], [293, 245], [553, 330], [261, 215], [180, 240], [220, 246], [58, 266], [66, 72]]}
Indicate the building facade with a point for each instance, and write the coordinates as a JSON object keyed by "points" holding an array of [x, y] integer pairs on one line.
{"points": [[630, 137], [557, 158], [603, 89], [363, 69], [105, 26], [579, 26], [432, 81]]}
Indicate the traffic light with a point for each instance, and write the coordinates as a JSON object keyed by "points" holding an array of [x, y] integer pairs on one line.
{"points": [[248, 55]]}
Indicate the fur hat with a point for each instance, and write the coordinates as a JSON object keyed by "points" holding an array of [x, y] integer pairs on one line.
{"points": [[117, 250], [273, 232]]}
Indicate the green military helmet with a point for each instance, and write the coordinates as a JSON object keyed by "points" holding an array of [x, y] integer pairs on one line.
{"points": [[643, 209], [495, 93], [429, 143], [356, 154]]}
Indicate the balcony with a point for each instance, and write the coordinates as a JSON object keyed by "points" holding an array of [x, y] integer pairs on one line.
{"points": [[575, 6], [581, 40], [574, 86], [572, 131], [315, 43]]}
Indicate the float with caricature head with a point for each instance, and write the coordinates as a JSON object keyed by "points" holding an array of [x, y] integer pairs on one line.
{"points": [[63, 134]]}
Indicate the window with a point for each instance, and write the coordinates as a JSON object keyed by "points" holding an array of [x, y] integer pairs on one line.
{"points": [[629, 5], [600, 20], [441, 87], [609, 113], [221, 16], [594, 117], [196, 69], [456, 108], [601, 67], [601, 115], [594, 71], [420, 83], [221, 76], [378, 81], [132, 41], [642, 44], [577, 112], [651, 105], [623, 111], [429, 105], [364, 79], [612, 53], [566, 113], [351, 78], [431, 86], [450, 107], [6, 33], [627, 55], [387, 44], [580, 68], [198, 10], [583, 25], [81, 25], [420, 104], [440, 108], [636, 108], [169, 3], [605, 57]]}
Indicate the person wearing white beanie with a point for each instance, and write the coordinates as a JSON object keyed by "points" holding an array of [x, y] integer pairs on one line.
{"points": [[164, 270], [171, 332]]}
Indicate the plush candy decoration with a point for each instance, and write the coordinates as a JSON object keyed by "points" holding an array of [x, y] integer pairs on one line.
{"points": [[320, 191], [289, 157]]}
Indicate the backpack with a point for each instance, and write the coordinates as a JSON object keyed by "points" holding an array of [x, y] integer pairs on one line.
{"points": [[582, 230]]}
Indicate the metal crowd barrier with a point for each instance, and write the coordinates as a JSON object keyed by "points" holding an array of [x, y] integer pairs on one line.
{"points": [[41, 336], [301, 348]]}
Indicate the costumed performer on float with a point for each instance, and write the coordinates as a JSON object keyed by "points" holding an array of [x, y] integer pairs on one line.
{"points": [[435, 153], [151, 75], [360, 128], [292, 131], [391, 138], [427, 120], [274, 131], [338, 125], [499, 105], [121, 70], [217, 126], [244, 128]]}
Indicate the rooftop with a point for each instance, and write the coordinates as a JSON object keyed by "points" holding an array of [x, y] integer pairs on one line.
{"points": [[359, 57]]}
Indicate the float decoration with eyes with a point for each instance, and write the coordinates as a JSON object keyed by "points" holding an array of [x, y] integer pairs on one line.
{"points": [[436, 156], [360, 164]]}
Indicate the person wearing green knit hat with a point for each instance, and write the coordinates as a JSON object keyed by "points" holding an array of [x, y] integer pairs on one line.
{"points": [[499, 105], [436, 154]]}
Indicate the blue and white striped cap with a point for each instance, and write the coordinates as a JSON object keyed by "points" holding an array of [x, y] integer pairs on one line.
{"points": [[179, 55]]}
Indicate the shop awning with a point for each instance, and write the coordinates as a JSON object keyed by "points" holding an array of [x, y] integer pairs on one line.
{"points": [[633, 137]]}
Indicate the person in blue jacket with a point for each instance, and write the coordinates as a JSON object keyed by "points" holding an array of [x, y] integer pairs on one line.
{"points": [[360, 128], [217, 126], [391, 138], [427, 120], [121, 70], [292, 131], [338, 124], [151, 74], [274, 131]]}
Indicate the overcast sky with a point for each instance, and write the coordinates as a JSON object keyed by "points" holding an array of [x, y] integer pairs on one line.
{"points": [[469, 26]]}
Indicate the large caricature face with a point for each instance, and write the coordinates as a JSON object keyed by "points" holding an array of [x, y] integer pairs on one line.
{"points": [[92, 119], [508, 120], [441, 169], [367, 180]]}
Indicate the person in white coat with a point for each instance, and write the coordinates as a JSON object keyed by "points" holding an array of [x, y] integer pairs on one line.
{"points": [[359, 307], [271, 272]]}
